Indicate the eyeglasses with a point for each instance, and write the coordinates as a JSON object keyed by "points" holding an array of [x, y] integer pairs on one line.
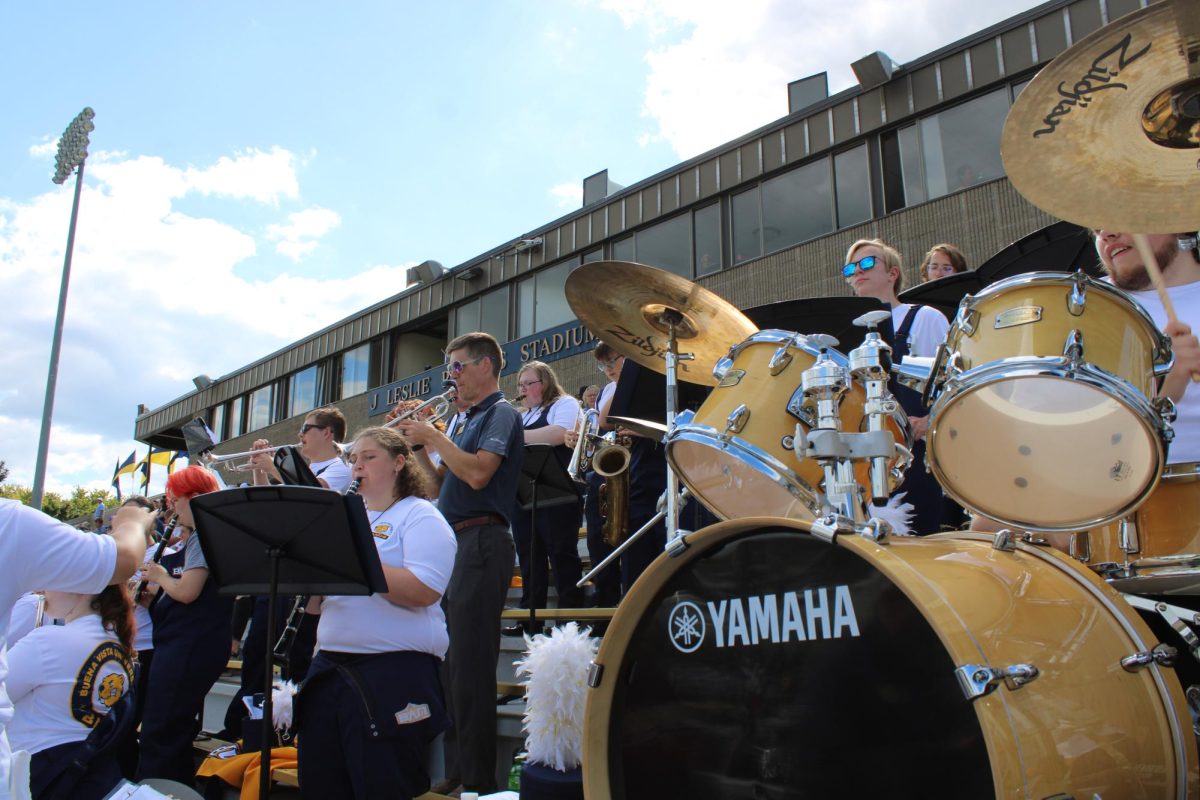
{"points": [[308, 426], [456, 367], [527, 384], [862, 265], [604, 366]]}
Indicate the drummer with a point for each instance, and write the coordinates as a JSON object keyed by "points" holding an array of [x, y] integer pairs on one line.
{"points": [[1179, 261], [873, 270]]}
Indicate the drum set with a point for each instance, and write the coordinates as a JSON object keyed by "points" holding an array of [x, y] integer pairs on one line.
{"points": [[805, 646]]}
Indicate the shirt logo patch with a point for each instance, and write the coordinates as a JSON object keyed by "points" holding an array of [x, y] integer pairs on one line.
{"points": [[382, 530], [102, 680], [412, 713]]}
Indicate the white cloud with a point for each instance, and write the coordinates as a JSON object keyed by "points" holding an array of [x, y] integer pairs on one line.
{"points": [[155, 298], [716, 73], [298, 236], [44, 149], [567, 195]]}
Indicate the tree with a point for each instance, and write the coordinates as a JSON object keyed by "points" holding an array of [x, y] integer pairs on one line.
{"points": [[81, 503], [3, 472]]}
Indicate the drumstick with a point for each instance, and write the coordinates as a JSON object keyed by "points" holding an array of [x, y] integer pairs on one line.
{"points": [[1160, 285]]}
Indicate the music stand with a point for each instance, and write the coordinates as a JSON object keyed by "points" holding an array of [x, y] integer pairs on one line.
{"points": [[290, 539], [544, 483], [293, 469]]}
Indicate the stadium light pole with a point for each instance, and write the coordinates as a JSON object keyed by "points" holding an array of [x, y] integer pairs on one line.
{"points": [[72, 152]]}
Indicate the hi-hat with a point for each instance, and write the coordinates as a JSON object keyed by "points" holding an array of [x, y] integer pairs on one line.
{"points": [[632, 307], [1107, 135]]}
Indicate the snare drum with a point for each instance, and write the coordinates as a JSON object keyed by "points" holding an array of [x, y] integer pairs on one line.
{"points": [[1042, 419], [1155, 550], [735, 452], [765, 662]]}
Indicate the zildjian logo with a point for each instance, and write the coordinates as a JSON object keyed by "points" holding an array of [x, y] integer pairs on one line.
{"points": [[1098, 78]]}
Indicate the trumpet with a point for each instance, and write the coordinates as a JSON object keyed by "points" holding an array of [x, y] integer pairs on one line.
{"points": [[212, 461], [588, 428], [442, 405]]}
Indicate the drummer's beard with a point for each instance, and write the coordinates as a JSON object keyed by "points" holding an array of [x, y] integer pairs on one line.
{"points": [[1137, 279]]}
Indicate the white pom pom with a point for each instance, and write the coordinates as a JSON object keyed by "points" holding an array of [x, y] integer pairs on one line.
{"points": [[556, 694], [896, 513], [281, 704]]}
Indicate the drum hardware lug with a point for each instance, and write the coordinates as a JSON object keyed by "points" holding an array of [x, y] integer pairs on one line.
{"points": [[1029, 537], [797, 408], [1004, 540], [1161, 654], [1165, 407], [977, 680], [722, 367], [779, 360], [827, 527], [595, 674], [1127, 536], [1077, 300], [877, 530], [967, 319], [1080, 547], [1108, 570], [1073, 349], [736, 420]]}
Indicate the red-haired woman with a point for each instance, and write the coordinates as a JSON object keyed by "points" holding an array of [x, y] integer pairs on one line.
{"points": [[191, 641], [63, 677]]}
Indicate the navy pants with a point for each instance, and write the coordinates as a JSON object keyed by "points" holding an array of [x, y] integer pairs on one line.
{"points": [[49, 782], [557, 546]]}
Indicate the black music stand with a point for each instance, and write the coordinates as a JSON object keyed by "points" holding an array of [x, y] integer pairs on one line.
{"points": [[544, 483], [293, 469], [289, 539]]}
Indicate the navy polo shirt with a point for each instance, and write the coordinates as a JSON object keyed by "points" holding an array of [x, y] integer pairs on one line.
{"points": [[495, 426]]}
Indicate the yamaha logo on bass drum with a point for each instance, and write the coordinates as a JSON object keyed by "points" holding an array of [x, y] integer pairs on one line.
{"points": [[797, 616]]}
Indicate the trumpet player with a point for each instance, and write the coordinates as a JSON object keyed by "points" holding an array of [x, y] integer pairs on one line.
{"points": [[318, 439], [549, 413]]}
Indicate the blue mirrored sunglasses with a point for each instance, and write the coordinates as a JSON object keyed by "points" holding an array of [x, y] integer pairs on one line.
{"points": [[862, 265]]}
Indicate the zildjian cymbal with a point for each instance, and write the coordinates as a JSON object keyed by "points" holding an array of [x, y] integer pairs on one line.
{"points": [[1107, 135], [632, 307]]}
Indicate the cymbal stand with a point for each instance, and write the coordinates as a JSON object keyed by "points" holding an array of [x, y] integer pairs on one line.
{"points": [[672, 319], [633, 537]]}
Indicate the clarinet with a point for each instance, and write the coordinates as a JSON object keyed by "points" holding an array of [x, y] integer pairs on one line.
{"points": [[156, 558], [282, 653]]}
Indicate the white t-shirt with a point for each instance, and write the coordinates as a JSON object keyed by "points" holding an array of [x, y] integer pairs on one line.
{"points": [[24, 617], [1186, 299], [564, 412], [39, 552], [411, 534], [605, 396], [63, 679], [334, 472], [927, 332]]}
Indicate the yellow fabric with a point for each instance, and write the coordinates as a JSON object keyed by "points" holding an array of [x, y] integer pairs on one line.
{"points": [[243, 770]]}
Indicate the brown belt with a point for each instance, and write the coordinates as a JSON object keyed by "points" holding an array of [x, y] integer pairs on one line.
{"points": [[473, 522]]}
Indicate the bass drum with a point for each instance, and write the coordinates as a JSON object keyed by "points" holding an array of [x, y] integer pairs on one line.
{"points": [[765, 662]]}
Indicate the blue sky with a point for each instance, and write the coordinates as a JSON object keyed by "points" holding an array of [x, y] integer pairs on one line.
{"points": [[260, 170]]}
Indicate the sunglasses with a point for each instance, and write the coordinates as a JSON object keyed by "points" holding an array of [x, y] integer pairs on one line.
{"points": [[862, 265], [308, 426], [456, 367]]}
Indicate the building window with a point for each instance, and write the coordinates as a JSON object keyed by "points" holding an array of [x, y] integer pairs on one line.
{"points": [[356, 365], [622, 249], [236, 427], [542, 299], [797, 206], [667, 245], [747, 226], [302, 391], [217, 421], [706, 238], [853, 176], [487, 313], [261, 403], [961, 145]]}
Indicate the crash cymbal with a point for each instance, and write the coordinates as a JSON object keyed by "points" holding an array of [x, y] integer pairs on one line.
{"points": [[642, 427], [631, 307], [1107, 135]]}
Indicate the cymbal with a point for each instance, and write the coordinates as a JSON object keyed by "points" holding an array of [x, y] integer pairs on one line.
{"points": [[631, 306], [1107, 134], [642, 427]]}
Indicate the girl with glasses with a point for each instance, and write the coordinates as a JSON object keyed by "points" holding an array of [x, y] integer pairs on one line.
{"points": [[873, 270], [549, 414], [942, 260]]}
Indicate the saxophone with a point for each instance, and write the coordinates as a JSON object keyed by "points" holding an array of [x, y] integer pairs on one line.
{"points": [[611, 462]]}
